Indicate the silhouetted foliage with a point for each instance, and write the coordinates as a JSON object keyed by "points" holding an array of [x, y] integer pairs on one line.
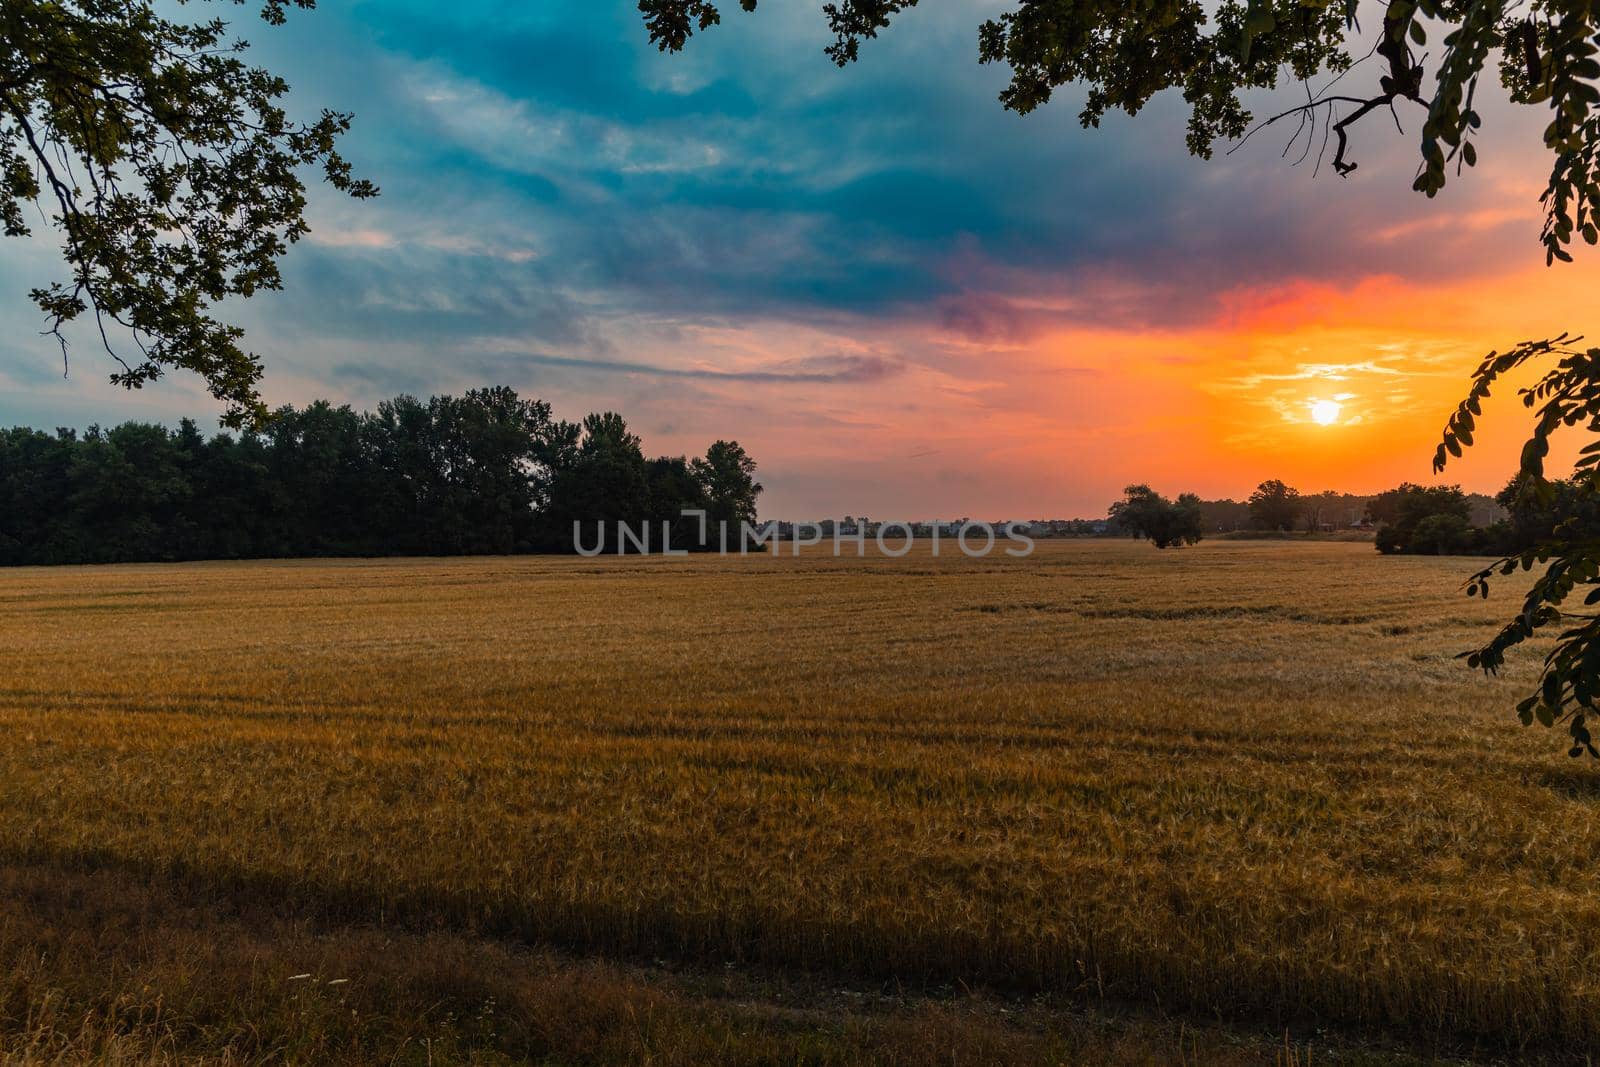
{"points": [[1431, 520], [483, 473], [1442, 534], [170, 171], [1559, 518], [1541, 511], [727, 476], [1274, 506], [1143, 512]]}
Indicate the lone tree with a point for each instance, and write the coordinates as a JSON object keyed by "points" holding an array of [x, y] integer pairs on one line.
{"points": [[1542, 53], [169, 170], [1143, 512], [1274, 506]]}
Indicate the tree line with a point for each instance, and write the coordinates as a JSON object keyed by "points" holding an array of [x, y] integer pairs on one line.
{"points": [[1437, 520], [487, 472], [1144, 513], [1408, 519]]}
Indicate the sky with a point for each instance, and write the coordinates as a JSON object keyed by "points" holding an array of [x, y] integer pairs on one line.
{"points": [[904, 301]]}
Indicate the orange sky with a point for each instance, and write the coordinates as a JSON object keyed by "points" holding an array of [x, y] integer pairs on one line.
{"points": [[1054, 422]]}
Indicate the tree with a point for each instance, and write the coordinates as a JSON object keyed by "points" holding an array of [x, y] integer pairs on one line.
{"points": [[35, 468], [322, 474], [1568, 395], [727, 476], [1188, 523], [1441, 534], [1434, 520], [1547, 57], [607, 482], [1536, 511], [1138, 510], [171, 173], [487, 445], [1274, 506], [1145, 513], [1384, 509], [674, 489]]}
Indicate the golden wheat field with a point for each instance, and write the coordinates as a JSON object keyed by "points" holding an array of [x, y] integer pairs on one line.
{"points": [[1104, 804]]}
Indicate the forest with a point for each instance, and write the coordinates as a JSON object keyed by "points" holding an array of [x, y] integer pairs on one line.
{"points": [[487, 472]]}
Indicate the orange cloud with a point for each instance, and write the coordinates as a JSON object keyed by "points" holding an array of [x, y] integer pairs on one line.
{"points": [[1004, 405]]}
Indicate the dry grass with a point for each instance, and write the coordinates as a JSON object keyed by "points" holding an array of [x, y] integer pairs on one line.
{"points": [[1246, 781]]}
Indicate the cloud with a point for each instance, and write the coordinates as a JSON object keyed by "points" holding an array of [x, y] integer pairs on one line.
{"points": [[748, 178], [825, 370]]}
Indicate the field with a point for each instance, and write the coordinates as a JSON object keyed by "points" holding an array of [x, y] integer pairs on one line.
{"points": [[1103, 804]]}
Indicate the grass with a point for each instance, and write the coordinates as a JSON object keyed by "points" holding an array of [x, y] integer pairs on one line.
{"points": [[667, 810]]}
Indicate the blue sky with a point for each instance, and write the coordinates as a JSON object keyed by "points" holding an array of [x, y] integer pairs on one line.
{"points": [[902, 298]]}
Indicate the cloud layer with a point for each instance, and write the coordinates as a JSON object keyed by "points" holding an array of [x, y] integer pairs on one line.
{"points": [[900, 297]]}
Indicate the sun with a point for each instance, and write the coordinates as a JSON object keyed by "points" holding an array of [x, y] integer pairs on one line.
{"points": [[1325, 412]]}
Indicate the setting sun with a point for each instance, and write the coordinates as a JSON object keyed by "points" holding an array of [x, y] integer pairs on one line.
{"points": [[1325, 412]]}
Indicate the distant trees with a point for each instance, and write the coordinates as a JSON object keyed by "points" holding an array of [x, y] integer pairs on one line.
{"points": [[597, 475], [1439, 520], [1143, 512], [1432, 520], [1274, 506], [487, 472], [1543, 510], [1277, 509]]}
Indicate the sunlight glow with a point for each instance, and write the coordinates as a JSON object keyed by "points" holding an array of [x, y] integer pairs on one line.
{"points": [[1325, 412]]}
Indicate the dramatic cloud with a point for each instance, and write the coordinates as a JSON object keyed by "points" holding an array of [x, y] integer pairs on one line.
{"points": [[897, 295]]}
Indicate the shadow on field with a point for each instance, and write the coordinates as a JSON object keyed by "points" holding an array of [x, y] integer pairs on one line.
{"points": [[1579, 781], [98, 966], [102, 959]]}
